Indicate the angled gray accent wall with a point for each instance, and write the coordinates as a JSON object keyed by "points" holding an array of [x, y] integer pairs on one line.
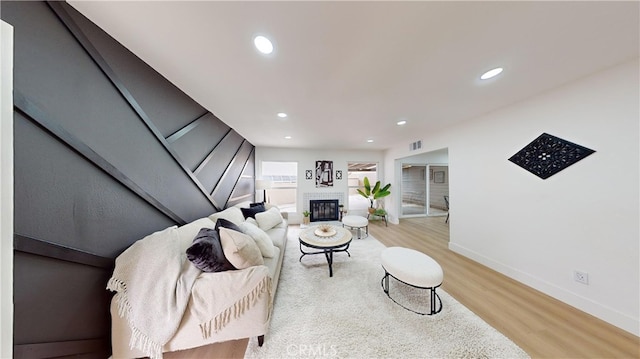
{"points": [[106, 152]]}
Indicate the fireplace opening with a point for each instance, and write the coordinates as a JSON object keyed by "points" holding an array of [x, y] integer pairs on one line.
{"points": [[323, 210]]}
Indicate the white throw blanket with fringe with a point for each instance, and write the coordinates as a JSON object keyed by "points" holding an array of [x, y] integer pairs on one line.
{"points": [[219, 298], [154, 280]]}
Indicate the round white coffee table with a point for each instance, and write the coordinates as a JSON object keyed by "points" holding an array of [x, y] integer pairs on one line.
{"points": [[336, 241]]}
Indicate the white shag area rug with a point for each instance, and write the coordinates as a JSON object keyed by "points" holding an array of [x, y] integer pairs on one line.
{"points": [[350, 316]]}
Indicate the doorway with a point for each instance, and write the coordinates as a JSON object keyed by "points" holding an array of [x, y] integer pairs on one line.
{"points": [[438, 190], [414, 190], [357, 171], [418, 197]]}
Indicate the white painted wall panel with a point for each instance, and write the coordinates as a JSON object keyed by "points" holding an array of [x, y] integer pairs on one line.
{"points": [[6, 190]]}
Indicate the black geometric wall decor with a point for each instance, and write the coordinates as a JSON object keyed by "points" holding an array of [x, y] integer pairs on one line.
{"points": [[309, 174], [548, 155], [338, 174]]}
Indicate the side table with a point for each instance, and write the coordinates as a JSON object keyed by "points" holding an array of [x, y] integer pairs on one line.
{"points": [[383, 217]]}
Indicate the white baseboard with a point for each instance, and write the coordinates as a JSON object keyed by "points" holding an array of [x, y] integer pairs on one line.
{"points": [[586, 305]]}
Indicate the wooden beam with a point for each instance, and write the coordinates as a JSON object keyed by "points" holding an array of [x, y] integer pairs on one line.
{"points": [[52, 250]]}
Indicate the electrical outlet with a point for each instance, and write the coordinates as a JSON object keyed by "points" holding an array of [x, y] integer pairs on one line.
{"points": [[581, 277]]}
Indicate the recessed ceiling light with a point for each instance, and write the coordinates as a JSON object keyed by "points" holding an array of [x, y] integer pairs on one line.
{"points": [[369, 141], [282, 114], [400, 123], [263, 44], [287, 137], [491, 73]]}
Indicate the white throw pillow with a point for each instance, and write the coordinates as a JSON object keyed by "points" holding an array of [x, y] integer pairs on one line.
{"points": [[190, 230], [240, 249], [269, 218], [233, 214], [262, 239]]}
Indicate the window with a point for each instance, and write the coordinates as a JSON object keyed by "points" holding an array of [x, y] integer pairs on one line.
{"points": [[284, 184], [357, 172]]}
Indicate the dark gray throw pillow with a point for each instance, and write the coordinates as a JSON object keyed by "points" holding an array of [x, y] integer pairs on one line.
{"points": [[221, 222], [206, 252], [251, 211]]}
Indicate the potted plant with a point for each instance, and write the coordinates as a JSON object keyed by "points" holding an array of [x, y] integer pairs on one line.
{"points": [[374, 193], [380, 212], [305, 218]]}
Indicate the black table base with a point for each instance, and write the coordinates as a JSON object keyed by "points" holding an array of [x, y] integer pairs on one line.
{"points": [[327, 251]]}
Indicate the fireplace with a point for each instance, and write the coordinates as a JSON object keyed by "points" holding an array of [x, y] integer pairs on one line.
{"points": [[324, 210]]}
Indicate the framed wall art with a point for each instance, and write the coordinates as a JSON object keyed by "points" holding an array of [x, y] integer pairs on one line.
{"points": [[324, 173]]}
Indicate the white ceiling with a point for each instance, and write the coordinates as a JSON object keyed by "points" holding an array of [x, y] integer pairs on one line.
{"points": [[346, 72]]}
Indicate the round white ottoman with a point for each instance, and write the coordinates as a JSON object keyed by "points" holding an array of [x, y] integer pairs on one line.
{"points": [[356, 222], [415, 269]]}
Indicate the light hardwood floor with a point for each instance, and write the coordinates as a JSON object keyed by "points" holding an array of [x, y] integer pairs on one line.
{"points": [[544, 327]]}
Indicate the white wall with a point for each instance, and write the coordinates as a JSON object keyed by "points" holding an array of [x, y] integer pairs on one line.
{"points": [[6, 190], [439, 156], [584, 217], [306, 160]]}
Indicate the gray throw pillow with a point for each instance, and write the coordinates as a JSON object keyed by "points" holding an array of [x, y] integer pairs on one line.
{"points": [[251, 211], [221, 222], [206, 252]]}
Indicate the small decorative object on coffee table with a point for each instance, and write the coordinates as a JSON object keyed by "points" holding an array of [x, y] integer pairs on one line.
{"points": [[325, 230], [328, 239]]}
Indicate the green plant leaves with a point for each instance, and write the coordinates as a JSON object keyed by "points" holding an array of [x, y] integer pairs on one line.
{"points": [[382, 192], [376, 192], [367, 186]]}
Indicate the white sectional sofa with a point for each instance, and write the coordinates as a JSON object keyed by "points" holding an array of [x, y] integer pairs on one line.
{"points": [[221, 306]]}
